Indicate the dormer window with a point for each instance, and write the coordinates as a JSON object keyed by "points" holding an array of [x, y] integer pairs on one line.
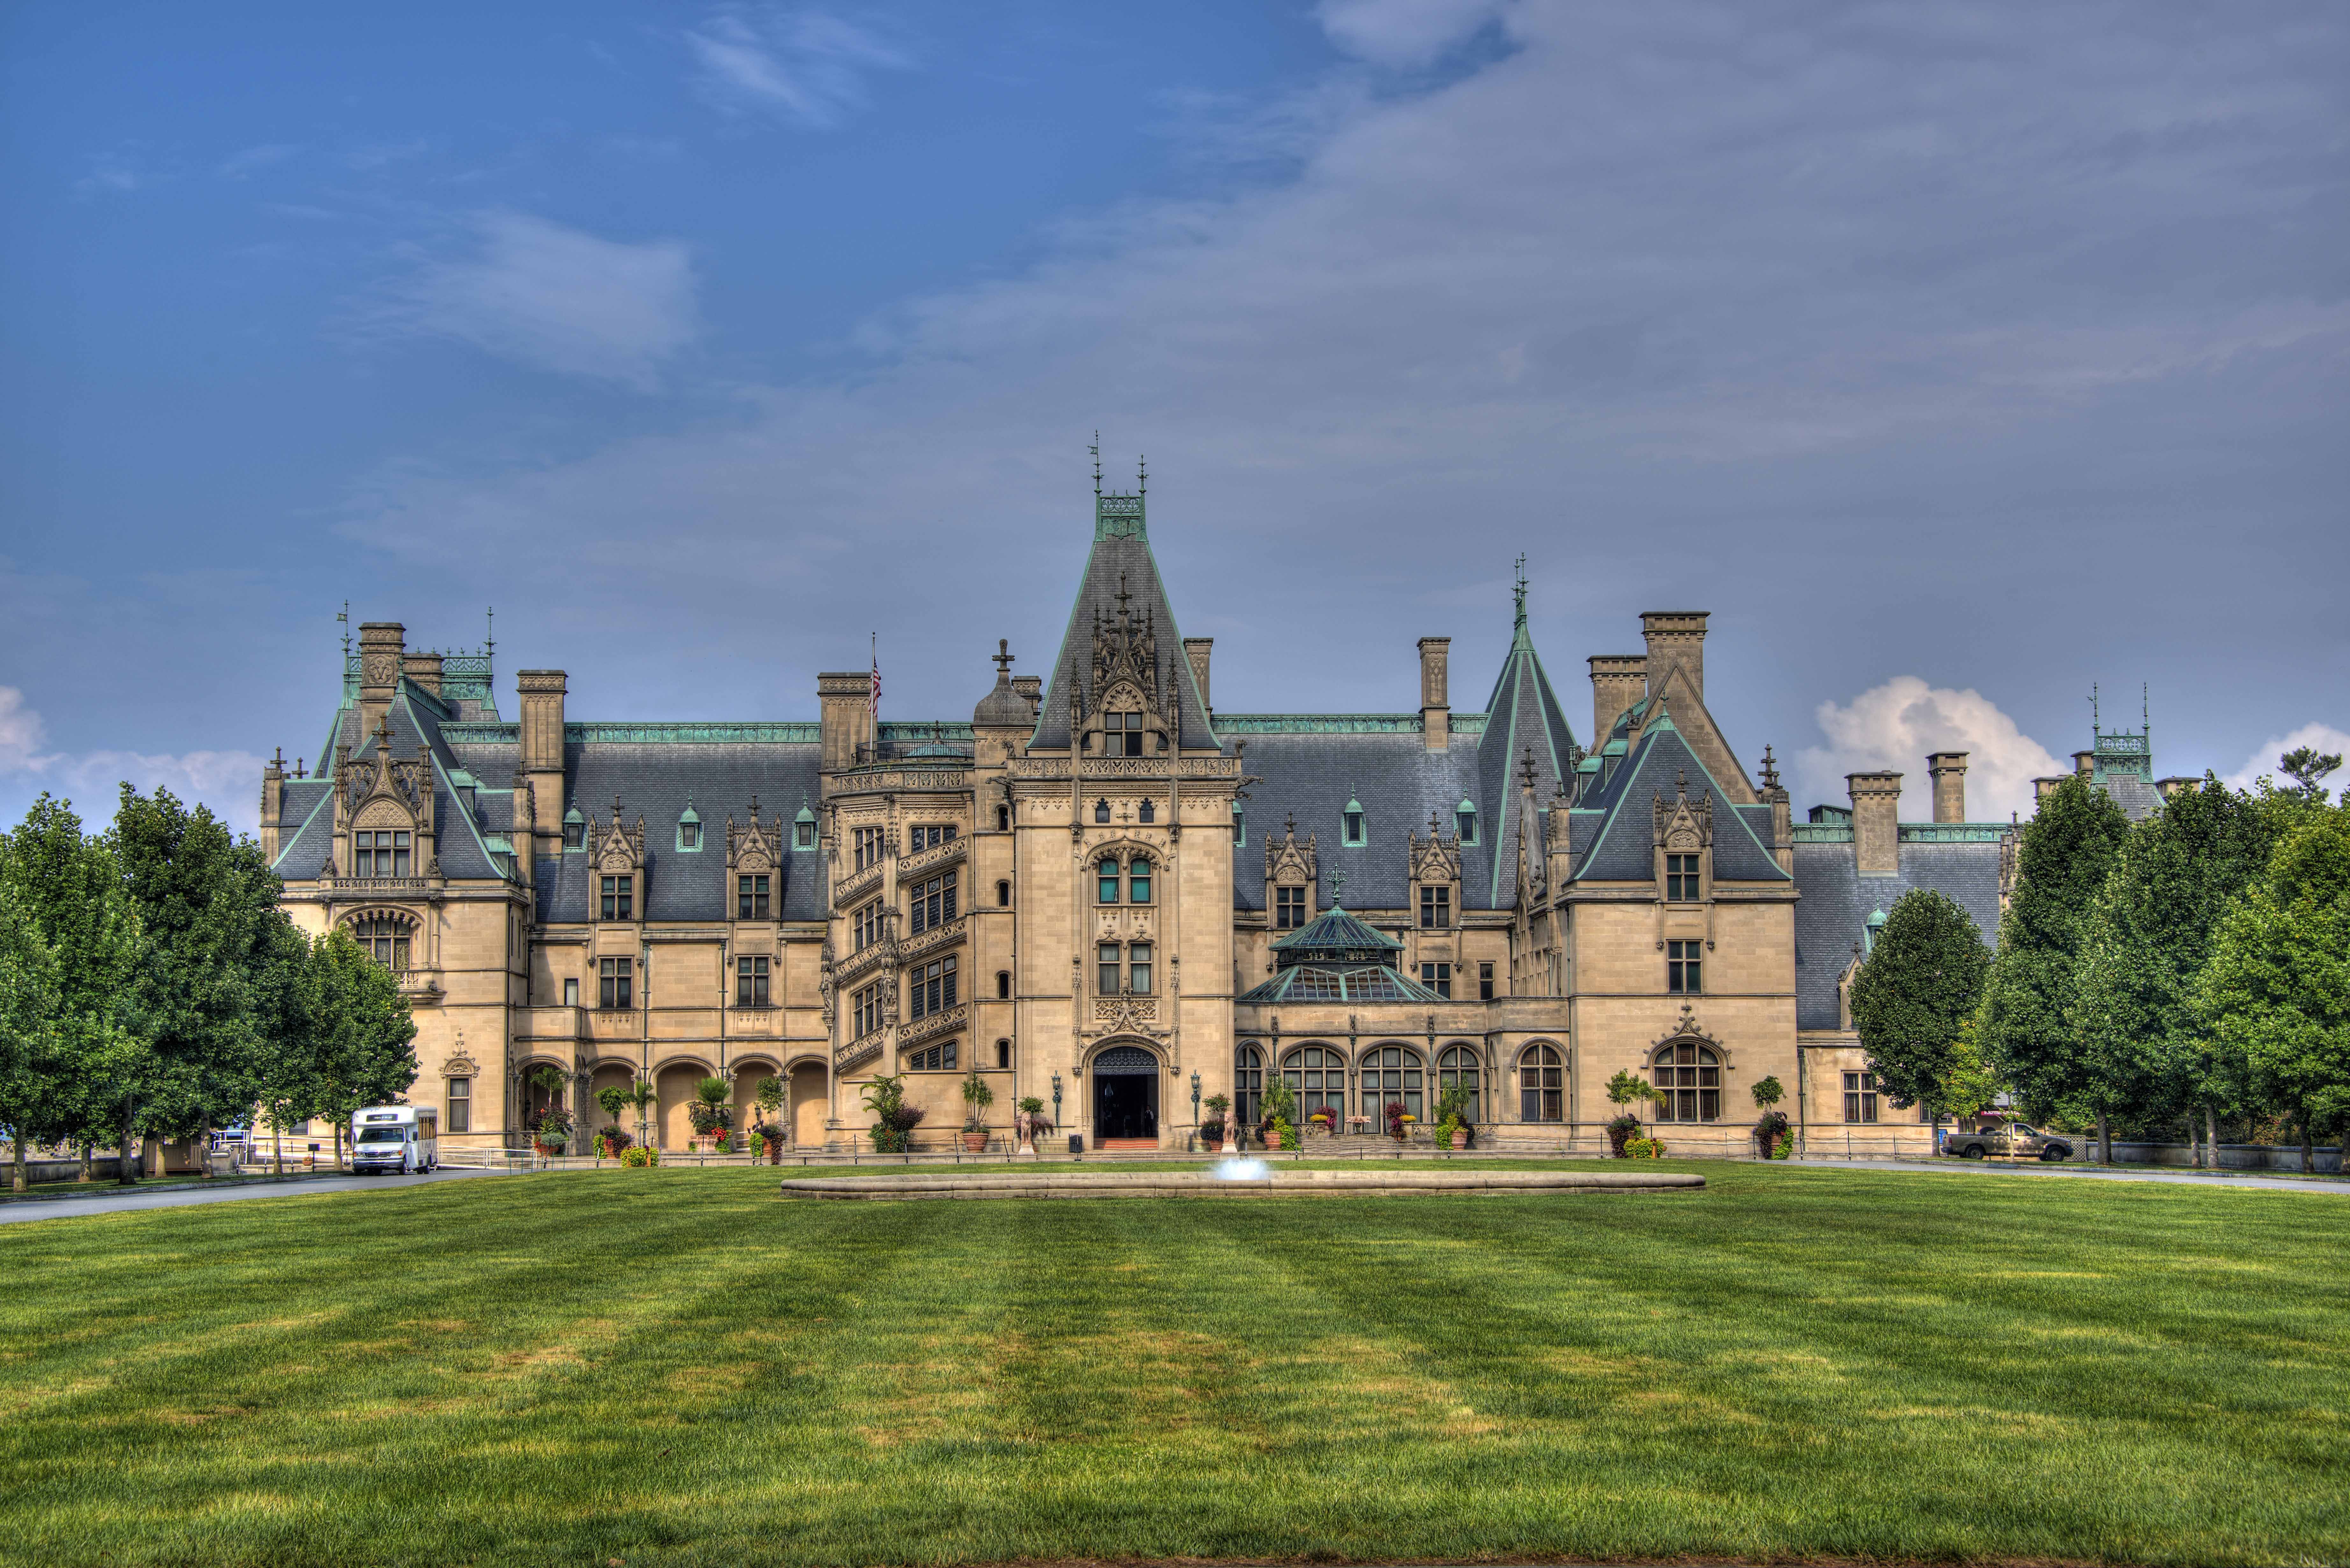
{"points": [[379, 854], [1682, 883], [689, 832], [574, 830], [804, 830], [1122, 734], [1464, 817], [619, 898], [1289, 909], [1352, 823]]}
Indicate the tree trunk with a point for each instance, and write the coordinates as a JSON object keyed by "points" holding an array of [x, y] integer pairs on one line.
{"points": [[2105, 1141], [2194, 1148], [277, 1146], [126, 1174], [2211, 1135], [2308, 1151], [16, 1143], [87, 1173]]}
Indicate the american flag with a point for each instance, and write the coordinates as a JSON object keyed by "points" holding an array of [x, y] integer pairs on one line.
{"points": [[873, 702]]}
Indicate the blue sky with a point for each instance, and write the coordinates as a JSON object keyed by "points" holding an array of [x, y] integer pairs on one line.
{"points": [[1955, 358]]}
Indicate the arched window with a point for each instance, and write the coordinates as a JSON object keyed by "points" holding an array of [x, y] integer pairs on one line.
{"points": [[1106, 879], [1150, 811], [1392, 1076], [1542, 1085], [1003, 1053], [1248, 1085], [1318, 1077], [383, 938], [1689, 1083], [1101, 811], [1457, 1067], [1137, 881], [1002, 895], [1003, 985]]}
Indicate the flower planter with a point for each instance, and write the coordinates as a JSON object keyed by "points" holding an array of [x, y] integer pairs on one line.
{"points": [[974, 1143]]}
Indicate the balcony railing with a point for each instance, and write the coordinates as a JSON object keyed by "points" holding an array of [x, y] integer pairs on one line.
{"points": [[946, 1020], [857, 886], [865, 960], [939, 936], [930, 859], [858, 1052]]}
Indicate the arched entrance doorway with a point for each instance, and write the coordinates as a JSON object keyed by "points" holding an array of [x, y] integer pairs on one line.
{"points": [[1126, 1094]]}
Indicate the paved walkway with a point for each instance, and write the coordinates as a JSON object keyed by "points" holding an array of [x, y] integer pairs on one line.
{"points": [[2070, 1172], [115, 1200]]}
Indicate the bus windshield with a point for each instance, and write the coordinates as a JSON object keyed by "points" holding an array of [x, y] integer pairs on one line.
{"points": [[379, 1135]]}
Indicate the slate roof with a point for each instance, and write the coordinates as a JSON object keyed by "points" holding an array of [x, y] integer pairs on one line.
{"points": [[658, 780], [1619, 807], [1837, 901], [1120, 551], [1311, 775], [1523, 714], [468, 815]]}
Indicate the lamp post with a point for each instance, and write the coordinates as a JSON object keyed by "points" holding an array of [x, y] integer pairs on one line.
{"points": [[1195, 1113], [1056, 1102]]}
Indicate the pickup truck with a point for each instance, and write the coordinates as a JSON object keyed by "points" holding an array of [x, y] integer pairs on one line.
{"points": [[2007, 1140]]}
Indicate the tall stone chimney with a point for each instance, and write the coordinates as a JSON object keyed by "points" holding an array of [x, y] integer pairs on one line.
{"points": [[2044, 788], [1676, 636], [1196, 649], [1617, 680], [1876, 823], [380, 653], [1435, 693], [273, 802], [844, 698], [424, 669], [2086, 764], [1949, 772], [1032, 691], [541, 692]]}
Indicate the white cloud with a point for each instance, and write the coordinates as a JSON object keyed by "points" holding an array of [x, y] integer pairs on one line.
{"points": [[557, 300], [809, 65], [228, 782], [1897, 725], [1403, 32], [2262, 763]]}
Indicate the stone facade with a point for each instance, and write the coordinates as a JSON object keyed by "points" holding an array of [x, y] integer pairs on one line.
{"points": [[1094, 891]]}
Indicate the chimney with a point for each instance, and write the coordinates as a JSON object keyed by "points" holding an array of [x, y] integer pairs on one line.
{"points": [[540, 764], [1876, 823], [1617, 680], [379, 660], [845, 698], [2043, 788], [273, 802], [1195, 649], [1435, 693], [2086, 764], [1032, 691], [1949, 772], [1676, 636], [2173, 787], [424, 669]]}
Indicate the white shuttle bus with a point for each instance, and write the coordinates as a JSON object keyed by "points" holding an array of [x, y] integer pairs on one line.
{"points": [[395, 1137]]}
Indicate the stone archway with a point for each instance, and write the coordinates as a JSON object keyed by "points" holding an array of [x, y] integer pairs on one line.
{"points": [[809, 1103], [1125, 1095]]}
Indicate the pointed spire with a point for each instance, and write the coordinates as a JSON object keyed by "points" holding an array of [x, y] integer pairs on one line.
{"points": [[1520, 589], [1096, 450], [1770, 768]]}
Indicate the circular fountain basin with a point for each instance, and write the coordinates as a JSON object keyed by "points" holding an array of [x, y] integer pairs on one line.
{"points": [[1243, 1183]]}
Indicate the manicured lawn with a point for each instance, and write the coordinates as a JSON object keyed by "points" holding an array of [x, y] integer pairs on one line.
{"points": [[678, 1367]]}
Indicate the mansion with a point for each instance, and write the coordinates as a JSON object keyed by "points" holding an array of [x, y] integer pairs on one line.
{"points": [[1102, 890]]}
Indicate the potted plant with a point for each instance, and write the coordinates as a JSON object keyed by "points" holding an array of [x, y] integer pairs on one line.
{"points": [[1399, 1122], [1216, 1129], [976, 1097], [611, 1143], [615, 1098], [1771, 1124], [1627, 1089], [893, 1120], [552, 1136], [1322, 1123], [1279, 1106], [638, 1156], [770, 1096], [1452, 1128]]}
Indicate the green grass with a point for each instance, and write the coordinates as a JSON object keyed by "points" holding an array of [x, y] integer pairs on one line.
{"points": [[678, 1367]]}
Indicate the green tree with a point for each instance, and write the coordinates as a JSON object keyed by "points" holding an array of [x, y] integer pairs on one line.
{"points": [[2149, 934], [2307, 766], [1922, 982], [1968, 1085], [366, 1052], [2276, 989], [287, 1019], [31, 1056], [2026, 1033], [206, 904], [69, 890]]}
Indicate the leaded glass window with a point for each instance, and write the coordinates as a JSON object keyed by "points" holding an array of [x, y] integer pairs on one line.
{"points": [[1689, 1083], [1392, 1076], [1542, 1085], [383, 938], [1317, 1075]]}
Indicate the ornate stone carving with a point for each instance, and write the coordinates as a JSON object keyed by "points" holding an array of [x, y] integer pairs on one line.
{"points": [[1436, 858], [1123, 1012], [1286, 861]]}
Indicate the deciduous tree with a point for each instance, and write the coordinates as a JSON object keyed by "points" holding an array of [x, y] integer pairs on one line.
{"points": [[2026, 1032], [1922, 980]]}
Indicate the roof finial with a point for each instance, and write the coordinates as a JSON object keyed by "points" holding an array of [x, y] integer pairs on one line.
{"points": [[1770, 768], [1142, 481], [345, 619], [2095, 730], [1003, 658], [1520, 590], [1096, 450], [1526, 769], [490, 641], [1337, 889]]}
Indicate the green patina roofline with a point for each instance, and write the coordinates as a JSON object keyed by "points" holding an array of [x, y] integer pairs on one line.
{"points": [[1909, 832], [1338, 723]]}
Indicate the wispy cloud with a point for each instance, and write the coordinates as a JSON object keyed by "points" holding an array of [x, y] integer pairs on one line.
{"points": [[1894, 727], [240, 164], [555, 299], [1404, 32], [115, 173], [808, 64], [228, 782], [2262, 763]]}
